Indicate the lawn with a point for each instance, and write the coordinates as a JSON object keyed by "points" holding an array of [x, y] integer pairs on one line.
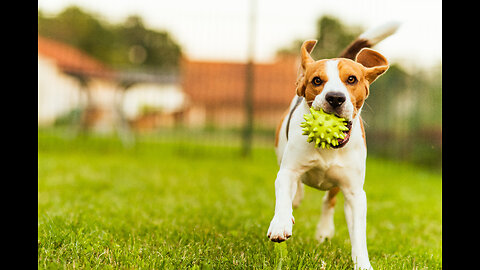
{"points": [[163, 205]]}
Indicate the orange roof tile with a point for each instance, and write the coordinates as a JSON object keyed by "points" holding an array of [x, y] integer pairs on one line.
{"points": [[223, 83], [71, 59]]}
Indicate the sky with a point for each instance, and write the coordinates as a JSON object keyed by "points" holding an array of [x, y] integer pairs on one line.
{"points": [[218, 29]]}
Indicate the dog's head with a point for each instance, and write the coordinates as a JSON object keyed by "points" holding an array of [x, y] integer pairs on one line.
{"points": [[338, 85]]}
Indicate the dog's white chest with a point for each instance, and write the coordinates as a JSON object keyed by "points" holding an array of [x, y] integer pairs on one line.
{"points": [[327, 168], [323, 172]]}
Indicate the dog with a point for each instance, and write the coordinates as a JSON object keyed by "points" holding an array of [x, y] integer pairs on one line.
{"points": [[339, 86]]}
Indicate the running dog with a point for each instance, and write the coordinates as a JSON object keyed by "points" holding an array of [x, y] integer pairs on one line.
{"points": [[339, 86]]}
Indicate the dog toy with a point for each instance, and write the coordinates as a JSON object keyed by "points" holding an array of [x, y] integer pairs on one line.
{"points": [[323, 128]]}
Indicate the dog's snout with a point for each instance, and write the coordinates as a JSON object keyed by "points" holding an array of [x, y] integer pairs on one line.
{"points": [[335, 99]]}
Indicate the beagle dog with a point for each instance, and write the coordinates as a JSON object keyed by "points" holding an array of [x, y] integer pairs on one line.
{"points": [[339, 86]]}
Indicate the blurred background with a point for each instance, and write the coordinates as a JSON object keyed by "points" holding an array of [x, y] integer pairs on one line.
{"points": [[222, 73]]}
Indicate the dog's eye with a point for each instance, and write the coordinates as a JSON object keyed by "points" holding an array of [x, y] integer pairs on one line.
{"points": [[317, 81], [351, 79]]}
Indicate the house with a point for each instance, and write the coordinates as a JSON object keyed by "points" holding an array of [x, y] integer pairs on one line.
{"points": [[70, 80], [152, 101], [203, 93], [216, 91]]}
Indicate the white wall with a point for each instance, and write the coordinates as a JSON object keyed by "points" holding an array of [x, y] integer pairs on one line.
{"points": [[169, 98], [57, 93]]}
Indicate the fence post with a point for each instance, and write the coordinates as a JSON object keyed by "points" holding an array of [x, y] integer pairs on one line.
{"points": [[249, 83]]}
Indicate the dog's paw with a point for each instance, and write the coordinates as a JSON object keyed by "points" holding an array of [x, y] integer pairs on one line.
{"points": [[280, 228], [362, 264], [363, 267], [325, 230]]}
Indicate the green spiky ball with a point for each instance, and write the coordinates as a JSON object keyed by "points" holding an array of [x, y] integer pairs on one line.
{"points": [[324, 129]]}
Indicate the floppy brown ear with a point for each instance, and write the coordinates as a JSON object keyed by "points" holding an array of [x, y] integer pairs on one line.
{"points": [[375, 63], [307, 48]]}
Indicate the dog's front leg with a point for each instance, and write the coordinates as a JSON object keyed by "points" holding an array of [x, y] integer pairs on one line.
{"points": [[356, 215], [285, 188]]}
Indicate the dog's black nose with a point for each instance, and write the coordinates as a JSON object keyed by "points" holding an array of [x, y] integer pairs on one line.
{"points": [[335, 99]]}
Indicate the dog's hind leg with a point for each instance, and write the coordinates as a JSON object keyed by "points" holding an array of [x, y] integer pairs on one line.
{"points": [[325, 227]]}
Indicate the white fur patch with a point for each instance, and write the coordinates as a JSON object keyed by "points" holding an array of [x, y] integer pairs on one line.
{"points": [[334, 84], [379, 33]]}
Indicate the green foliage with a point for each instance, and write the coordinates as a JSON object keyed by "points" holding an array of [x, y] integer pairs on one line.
{"points": [[169, 206], [147, 109], [383, 94], [126, 45], [332, 35], [70, 118], [403, 116]]}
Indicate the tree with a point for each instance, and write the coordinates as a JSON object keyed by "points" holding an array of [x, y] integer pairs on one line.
{"points": [[332, 35], [147, 47], [129, 45]]}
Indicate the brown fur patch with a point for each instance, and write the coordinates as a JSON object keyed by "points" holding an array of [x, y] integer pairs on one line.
{"points": [[359, 90], [363, 131], [351, 51], [332, 199], [279, 126], [316, 69], [376, 64]]}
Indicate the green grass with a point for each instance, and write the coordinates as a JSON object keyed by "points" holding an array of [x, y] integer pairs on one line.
{"points": [[181, 205]]}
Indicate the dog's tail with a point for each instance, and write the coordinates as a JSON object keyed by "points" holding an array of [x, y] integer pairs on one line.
{"points": [[369, 38]]}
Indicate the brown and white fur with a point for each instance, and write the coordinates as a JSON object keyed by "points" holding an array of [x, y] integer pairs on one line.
{"points": [[339, 86]]}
